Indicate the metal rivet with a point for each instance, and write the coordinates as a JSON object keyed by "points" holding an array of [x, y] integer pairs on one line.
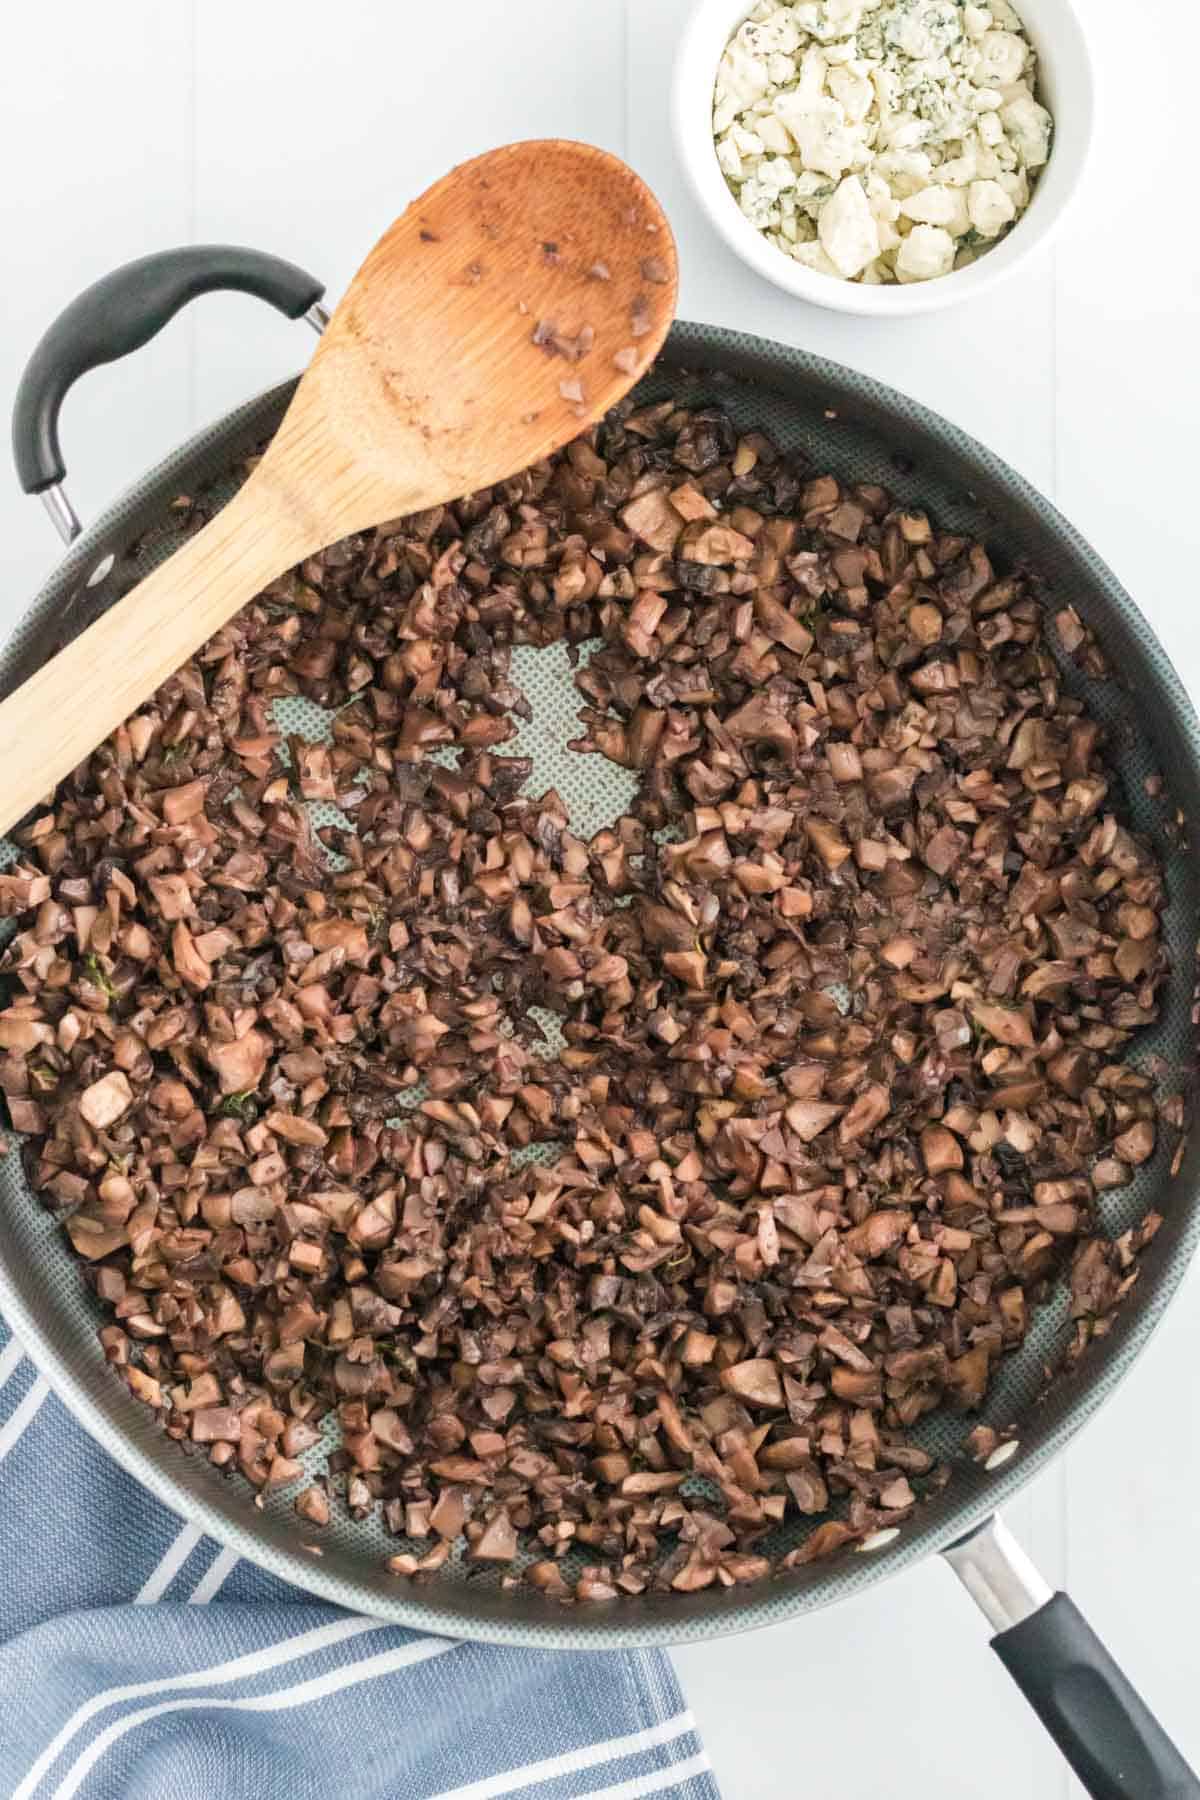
{"points": [[102, 570], [1003, 1453], [879, 1539]]}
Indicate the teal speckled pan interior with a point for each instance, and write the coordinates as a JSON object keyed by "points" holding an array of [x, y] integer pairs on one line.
{"points": [[861, 431]]}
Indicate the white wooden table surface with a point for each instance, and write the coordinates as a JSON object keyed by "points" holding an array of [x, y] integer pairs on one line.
{"points": [[304, 128]]}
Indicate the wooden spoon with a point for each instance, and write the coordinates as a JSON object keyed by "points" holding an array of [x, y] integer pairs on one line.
{"points": [[437, 376]]}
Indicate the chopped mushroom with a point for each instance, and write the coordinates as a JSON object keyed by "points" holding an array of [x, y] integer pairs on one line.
{"points": [[653, 518], [106, 1100], [1137, 1144], [809, 1118], [940, 1149], [313, 1505], [866, 1112], [240, 1065], [756, 1381], [498, 1540], [1005, 1024]]}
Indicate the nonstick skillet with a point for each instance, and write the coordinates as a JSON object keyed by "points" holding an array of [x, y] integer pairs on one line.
{"points": [[862, 431]]}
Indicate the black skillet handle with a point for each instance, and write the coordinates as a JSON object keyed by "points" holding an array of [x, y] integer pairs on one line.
{"points": [[121, 312], [1107, 1733], [1109, 1736]]}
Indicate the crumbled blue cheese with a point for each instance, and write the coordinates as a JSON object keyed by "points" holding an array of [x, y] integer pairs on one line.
{"points": [[880, 140]]}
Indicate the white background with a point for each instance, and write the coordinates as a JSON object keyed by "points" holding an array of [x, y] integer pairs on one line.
{"points": [[304, 128]]}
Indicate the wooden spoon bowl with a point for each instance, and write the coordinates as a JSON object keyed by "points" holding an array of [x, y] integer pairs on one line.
{"points": [[508, 309]]}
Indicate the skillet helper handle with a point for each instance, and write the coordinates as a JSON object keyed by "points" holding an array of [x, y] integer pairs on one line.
{"points": [[121, 312], [1105, 1730], [1107, 1733]]}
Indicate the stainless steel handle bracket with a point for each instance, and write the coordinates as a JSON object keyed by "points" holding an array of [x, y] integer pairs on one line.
{"points": [[63, 516], [998, 1575]]}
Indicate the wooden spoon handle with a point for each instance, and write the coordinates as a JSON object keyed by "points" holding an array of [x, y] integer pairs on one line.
{"points": [[58, 717]]}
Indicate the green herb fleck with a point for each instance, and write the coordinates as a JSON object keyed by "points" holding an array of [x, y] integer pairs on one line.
{"points": [[401, 1354], [98, 975], [241, 1106]]}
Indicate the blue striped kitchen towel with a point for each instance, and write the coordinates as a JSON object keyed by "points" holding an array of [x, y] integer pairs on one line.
{"points": [[140, 1662]]}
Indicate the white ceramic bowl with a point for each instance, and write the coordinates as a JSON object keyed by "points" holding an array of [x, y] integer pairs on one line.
{"points": [[1065, 85]]}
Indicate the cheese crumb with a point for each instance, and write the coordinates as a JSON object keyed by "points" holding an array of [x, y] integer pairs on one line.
{"points": [[847, 228], [990, 208], [926, 252]]}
